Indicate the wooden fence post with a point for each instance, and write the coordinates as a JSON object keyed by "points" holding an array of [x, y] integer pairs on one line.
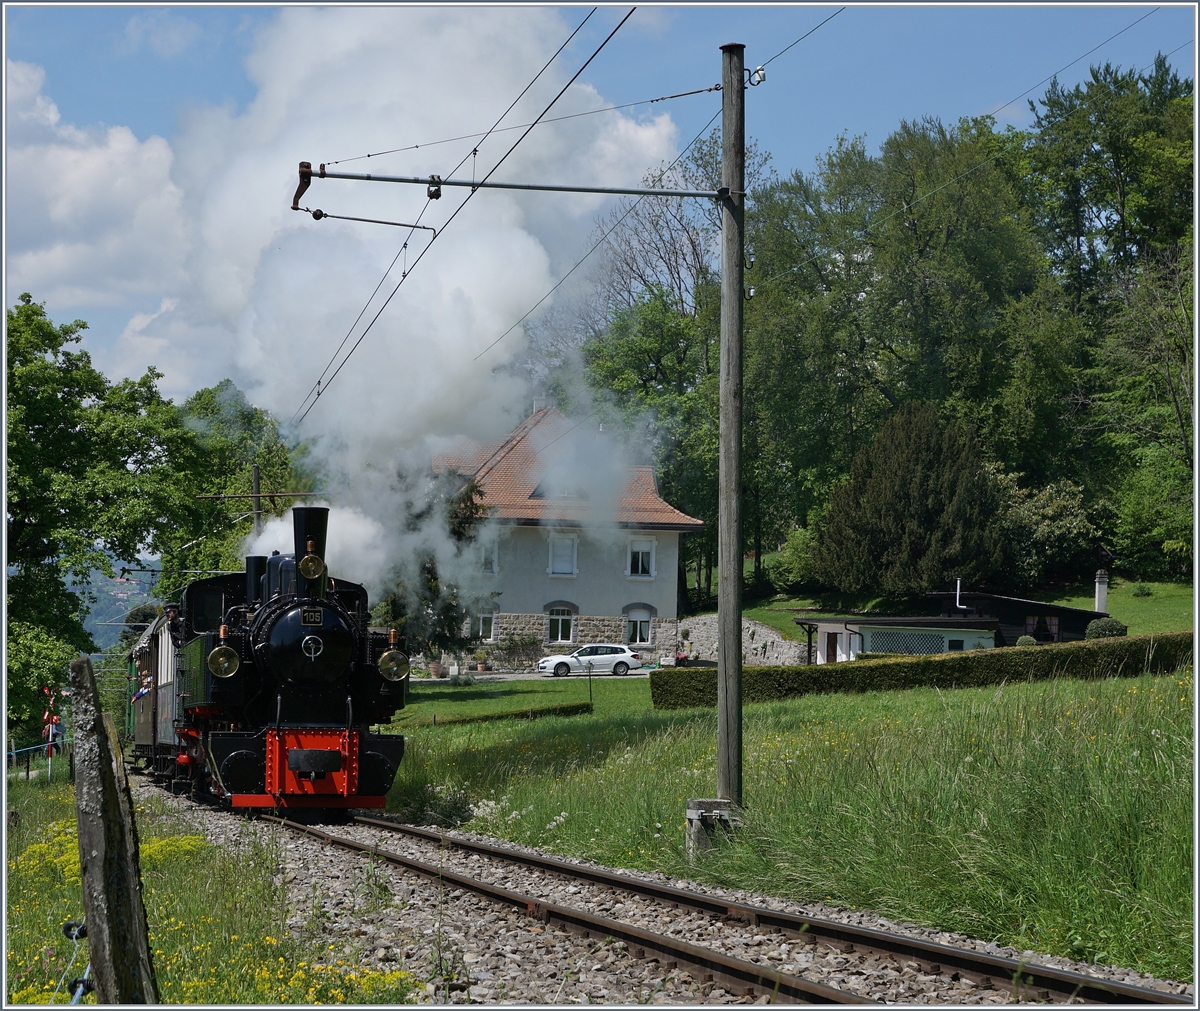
{"points": [[117, 931]]}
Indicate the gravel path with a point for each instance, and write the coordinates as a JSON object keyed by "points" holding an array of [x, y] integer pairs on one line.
{"points": [[472, 951]]}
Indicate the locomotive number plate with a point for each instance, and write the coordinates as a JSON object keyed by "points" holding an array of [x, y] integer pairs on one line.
{"points": [[312, 616]]}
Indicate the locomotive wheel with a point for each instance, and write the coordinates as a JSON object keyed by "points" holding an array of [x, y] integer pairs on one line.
{"points": [[621, 669], [561, 670]]}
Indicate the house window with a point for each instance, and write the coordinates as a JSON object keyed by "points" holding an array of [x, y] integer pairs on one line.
{"points": [[638, 629], [488, 562], [560, 624], [562, 556], [482, 626], [1030, 624], [641, 559], [955, 645]]}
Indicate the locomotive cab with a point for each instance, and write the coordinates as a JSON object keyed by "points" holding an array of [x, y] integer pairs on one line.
{"points": [[278, 680]]}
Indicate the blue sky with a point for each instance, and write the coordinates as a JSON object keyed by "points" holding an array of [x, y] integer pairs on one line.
{"points": [[861, 73], [151, 155]]}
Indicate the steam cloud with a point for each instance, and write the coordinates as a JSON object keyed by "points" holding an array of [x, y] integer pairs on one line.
{"points": [[196, 236]]}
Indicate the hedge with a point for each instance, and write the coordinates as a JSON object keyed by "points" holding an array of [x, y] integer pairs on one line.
{"points": [[687, 687], [567, 709]]}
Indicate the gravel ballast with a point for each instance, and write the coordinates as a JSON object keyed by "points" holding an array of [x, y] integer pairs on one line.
{"points": [[469, 950]]}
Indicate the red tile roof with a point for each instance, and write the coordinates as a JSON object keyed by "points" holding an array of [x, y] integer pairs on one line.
{"points": [[538, 475]]}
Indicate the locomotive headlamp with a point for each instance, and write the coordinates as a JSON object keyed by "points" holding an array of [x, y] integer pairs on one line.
{"points": [[224, 662], [393, 665], [311, 566]]}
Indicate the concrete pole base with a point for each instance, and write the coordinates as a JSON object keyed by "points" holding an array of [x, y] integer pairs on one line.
{"points": [[705, 818]]}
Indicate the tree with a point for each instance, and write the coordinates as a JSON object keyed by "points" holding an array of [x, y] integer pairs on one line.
{"points": [[96, 471], [231, 437], [428, 609], [1111, 178], [918, 511], [35, 659]]}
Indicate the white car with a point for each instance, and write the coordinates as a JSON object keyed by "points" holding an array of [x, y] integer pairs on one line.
{"points": [[599, 659]]}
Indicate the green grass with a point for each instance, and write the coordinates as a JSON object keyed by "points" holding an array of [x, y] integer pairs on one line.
{"points": [[608, 695], [1055, 816], [217, 918], [1167, 609]]}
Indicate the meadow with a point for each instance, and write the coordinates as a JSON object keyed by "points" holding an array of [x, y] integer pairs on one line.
{"points": [[1054, 816], [216, 917], [1144, 607]]}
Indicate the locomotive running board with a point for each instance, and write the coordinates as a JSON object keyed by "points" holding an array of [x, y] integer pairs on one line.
{"points": [[329, 800]]}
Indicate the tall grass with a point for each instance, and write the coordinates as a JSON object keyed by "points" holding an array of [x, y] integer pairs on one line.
{"points": [[1055, 816], [216, 916]]}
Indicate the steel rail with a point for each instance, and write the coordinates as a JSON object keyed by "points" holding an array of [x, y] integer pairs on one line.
{"points": [[734, 974], [980, 967]]}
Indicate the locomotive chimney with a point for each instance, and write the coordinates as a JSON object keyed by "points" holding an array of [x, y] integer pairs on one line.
{"points": [[256, 568]]}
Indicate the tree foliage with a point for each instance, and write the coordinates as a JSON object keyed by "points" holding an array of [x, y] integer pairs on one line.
{"points": [[1035, 285], [919, 510], [97, 471]]}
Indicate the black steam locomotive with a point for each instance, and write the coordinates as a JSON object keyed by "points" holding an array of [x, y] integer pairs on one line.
{"points": [[258, 690]]}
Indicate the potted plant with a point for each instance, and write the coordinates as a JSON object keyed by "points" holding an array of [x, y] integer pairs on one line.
{"points": [[481, 659]]}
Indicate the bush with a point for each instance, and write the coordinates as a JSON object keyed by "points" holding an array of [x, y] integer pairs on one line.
{"points": [[1142, 590], [1105, 628], [690, 687], [794, 564], [1026, 640], [519, 650]]}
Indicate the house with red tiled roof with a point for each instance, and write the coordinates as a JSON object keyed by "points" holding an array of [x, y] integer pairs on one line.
{"points": [[580, 547]]}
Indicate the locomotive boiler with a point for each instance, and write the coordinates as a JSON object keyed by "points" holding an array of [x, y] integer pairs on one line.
{"points": [[259, 689]]}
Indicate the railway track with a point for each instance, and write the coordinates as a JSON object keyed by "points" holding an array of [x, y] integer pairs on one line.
{"points": [[986, 974]]}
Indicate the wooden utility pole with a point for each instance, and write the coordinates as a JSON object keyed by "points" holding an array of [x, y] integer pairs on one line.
{"points": [[729, 521], [255, 491], [117, 932]]}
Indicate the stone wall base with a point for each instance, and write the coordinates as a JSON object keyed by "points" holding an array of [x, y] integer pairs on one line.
{"points": [[589, 628]]}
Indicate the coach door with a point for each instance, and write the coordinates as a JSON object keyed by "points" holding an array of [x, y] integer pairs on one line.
{"points": [[164, 661]]}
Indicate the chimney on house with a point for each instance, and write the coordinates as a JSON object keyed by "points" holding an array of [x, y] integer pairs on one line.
{"points": [[1101, 590]]}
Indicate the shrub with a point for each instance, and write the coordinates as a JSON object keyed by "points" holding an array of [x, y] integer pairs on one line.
{"points": [[1105, 628], [1142, 590], [794, 566], [519, 650], [689, 687], [1027, 640]]}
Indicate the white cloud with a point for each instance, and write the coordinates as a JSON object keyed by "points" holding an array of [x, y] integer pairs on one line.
{"points": [[93, 217], [163, 31]]}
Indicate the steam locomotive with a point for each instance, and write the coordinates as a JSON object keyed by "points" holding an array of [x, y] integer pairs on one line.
{"points": [[258, 690]]}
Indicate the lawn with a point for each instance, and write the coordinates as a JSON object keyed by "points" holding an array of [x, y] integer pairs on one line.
{"points": [[1055, 816], [1167, 608], [608, 695]]}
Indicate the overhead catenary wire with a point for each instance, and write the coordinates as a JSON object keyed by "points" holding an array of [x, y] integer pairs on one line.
{"points": [[962, 175], [466, 200], [316, 387], [615, 225], [803, 37], [519, 126], [1074, 61], [579, 263]]}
